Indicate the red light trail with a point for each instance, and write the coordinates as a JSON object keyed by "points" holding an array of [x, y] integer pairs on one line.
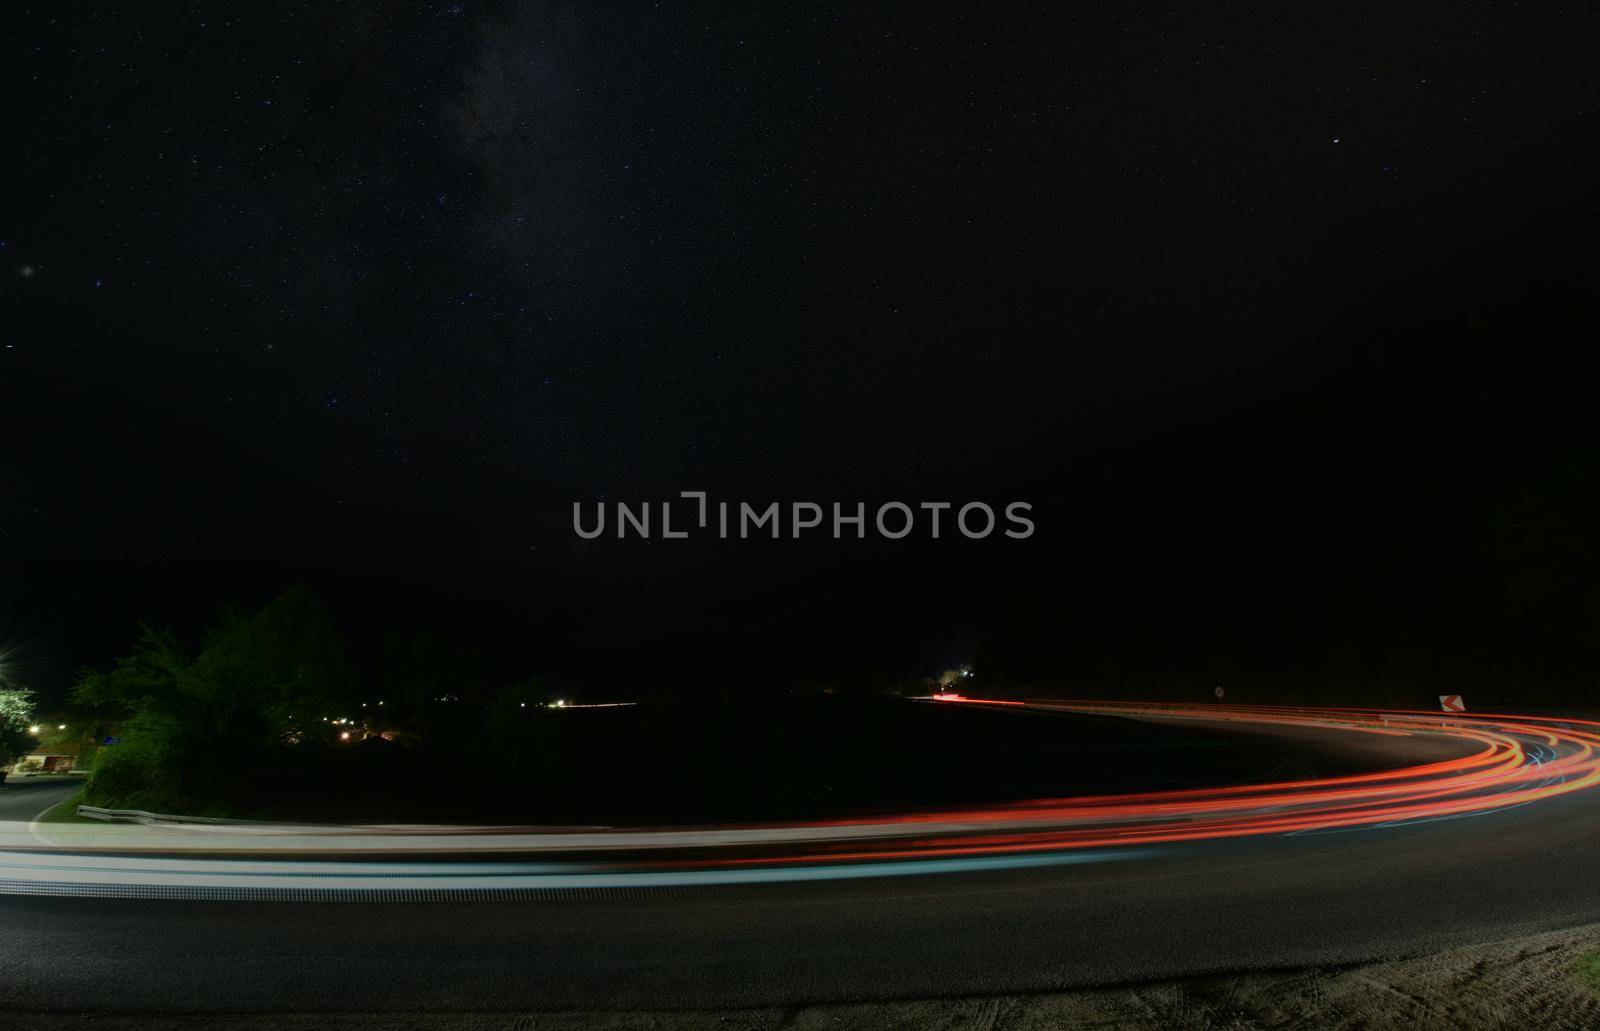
{"points": [[1518, 760], [1506, 761]]}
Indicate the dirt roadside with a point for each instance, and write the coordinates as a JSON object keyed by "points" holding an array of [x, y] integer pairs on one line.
{"points": [[1549, 981]]}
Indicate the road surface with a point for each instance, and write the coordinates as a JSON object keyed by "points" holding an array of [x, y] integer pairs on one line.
{"points": [[23, 798], [1330, 895]]}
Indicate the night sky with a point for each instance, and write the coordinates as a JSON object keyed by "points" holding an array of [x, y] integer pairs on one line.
{"points": [[1280, 322]]}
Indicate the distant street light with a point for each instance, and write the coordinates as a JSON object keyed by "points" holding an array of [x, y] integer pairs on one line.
{"points": [[34, 729]]}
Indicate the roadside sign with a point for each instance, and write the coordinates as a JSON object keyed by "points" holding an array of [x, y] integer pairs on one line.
{"points": [[1219, 691], [108, 742], [1452, 703]]}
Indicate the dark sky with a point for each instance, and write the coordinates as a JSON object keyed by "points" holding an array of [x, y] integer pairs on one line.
{"points": [[371, 294]]}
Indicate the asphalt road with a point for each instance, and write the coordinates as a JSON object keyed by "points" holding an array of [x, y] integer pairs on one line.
{"points": [[23, 798], [1245, 904]]}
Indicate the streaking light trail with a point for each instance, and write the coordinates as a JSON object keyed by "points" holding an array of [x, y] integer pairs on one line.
{"points": [[1504, 761]]}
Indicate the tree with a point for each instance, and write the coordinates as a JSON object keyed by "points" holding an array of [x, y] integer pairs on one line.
{"points": [[192, 725], [16, 712], [419, 670]]}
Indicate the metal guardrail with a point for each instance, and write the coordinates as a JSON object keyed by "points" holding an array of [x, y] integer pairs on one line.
{"points": [[94, 812]]}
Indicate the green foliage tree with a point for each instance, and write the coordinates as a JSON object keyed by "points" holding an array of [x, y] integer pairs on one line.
{"points": [[16, 712], [192, 723]]}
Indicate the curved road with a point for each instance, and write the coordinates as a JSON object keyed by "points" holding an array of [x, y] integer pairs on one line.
{"points": [[1324, 895], [23, 798]]}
